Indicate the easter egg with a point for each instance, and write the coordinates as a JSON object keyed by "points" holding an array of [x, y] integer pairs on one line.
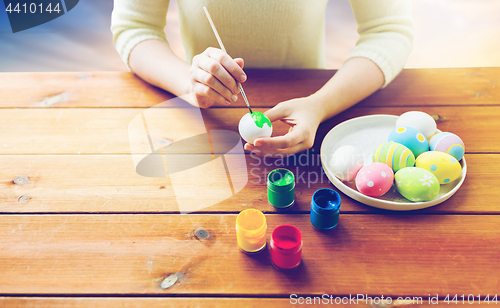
{"points": [[374, 179], [254, 125], [448, 143], [445, 167], [411, 138], [346, 162], [416, 184], [395, 155], [421, 121]]}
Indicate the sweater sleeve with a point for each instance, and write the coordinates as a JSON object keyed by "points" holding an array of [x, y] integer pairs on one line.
{"points": [[134, 21], [385, 28]]}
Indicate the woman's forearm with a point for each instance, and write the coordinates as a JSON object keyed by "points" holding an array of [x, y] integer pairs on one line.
{"points": [[156, 63], [355, 80]]}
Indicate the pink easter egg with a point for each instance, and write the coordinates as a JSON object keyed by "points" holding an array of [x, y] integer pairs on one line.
{"points": [[374, 179]]}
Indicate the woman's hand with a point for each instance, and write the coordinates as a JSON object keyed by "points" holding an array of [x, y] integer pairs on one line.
{"points": [[213, 77], [303, 115]]}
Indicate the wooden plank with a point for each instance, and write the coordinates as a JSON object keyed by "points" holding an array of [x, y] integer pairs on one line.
{"points": [[78, 89], [109, 184], [265, 88], [386, 255], [208, 302], [441, 87], [413, 87], [106, 131]]}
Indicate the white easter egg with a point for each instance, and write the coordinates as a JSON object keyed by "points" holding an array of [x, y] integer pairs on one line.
{"points": [[346, 162], [254, 125], [419, 120]]}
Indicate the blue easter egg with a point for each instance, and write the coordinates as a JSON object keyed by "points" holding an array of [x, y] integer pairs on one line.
{"points": [[411, 138]]}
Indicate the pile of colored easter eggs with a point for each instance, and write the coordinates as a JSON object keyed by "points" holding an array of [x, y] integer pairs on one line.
{"points": [[417, 159]]}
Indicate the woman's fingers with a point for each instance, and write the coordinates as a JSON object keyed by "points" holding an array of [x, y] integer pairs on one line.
{"points": [[293, 142], [229, 64], [218, 71], [302, 119], [240, 62], [278, 112], [261, 151], [211, 81], [213, 75], [223, 67], [206, 96], [295, 136]]}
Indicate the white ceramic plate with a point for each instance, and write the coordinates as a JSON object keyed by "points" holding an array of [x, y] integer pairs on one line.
{"points": [[367, 133]]}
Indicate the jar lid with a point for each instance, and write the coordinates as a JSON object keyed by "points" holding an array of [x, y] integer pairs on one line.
{"points": [[325, 200], [251, 223], [286, 239], [281, 180]]}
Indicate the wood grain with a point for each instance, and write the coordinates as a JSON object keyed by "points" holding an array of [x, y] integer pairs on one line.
{"points": [[109, 184], [207, 302], [413, 87], [132, 254], [13, 302], [78, 89], [106, 131], [265, 88], [67, 138]]}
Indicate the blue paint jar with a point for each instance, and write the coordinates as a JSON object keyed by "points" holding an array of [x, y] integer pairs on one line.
{"points": [[325, 209]]}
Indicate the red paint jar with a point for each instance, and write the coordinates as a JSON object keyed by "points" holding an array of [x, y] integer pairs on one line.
{"points": [[286, 246]]}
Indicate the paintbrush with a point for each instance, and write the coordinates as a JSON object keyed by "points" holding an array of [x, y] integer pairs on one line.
{"points": [[224, 49]]}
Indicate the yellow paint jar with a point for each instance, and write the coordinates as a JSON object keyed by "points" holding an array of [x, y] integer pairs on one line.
{"points": [[251, 230]]}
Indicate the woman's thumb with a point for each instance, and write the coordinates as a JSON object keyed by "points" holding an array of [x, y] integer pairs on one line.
{"points": [[276, 113]]}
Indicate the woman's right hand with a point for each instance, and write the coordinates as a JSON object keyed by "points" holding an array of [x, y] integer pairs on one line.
{"points": [[213, 77]]}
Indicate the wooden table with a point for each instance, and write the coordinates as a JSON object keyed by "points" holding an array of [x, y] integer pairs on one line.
{"points": [[79, 227]]}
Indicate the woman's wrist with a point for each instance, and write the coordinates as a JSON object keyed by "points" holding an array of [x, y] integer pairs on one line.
{"points": [[155, 63], [354, 81], [180, 83], [321, 104]]}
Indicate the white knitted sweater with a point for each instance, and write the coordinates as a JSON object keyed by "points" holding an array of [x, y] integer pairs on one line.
{"points": [[270, 33]]}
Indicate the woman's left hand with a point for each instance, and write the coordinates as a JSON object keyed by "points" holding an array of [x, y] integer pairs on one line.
{"points": [[303, 115]]}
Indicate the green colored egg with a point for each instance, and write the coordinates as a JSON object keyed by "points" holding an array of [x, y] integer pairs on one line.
{"points": [[395, 155], [416, 184]]}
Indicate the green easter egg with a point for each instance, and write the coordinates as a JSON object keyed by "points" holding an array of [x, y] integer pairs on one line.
{"points": [[416, 184], [395, 155]]}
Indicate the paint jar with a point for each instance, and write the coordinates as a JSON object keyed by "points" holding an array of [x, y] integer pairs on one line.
{"points": [[251, 230], [325, 209], [281, 188], [286, 246]]}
